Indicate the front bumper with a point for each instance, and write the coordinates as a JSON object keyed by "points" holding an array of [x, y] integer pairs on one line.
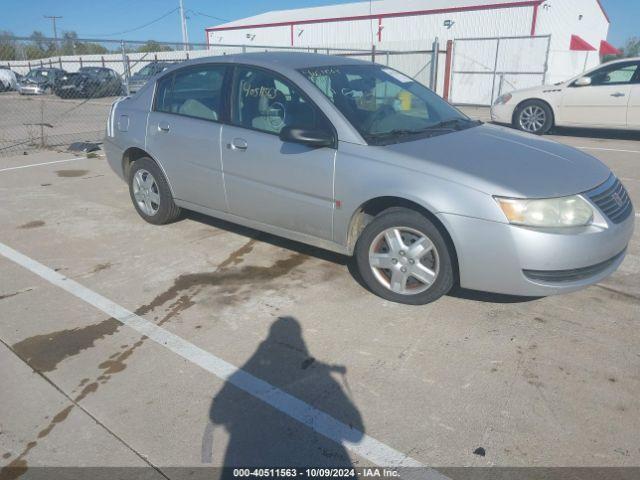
{"points": [[509, 259], [31, 90], [502, 113], [69, 90]]}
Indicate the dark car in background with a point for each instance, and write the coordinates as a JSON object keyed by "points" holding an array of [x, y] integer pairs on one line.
{"points": [[90, 82], [146, 73], [40, 81]]}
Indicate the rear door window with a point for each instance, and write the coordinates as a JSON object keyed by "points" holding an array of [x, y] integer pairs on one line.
{"points": [[193, 92]]}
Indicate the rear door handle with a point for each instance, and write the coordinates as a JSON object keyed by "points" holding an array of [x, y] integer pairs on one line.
{"points": [[238, 144], [618, 94], [163, 127]]}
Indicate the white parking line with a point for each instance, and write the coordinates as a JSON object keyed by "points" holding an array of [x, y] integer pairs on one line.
{"points": [[44, 163], [324, 424], [609, 149]]}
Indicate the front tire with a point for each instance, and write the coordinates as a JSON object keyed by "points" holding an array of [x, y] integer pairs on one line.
{"points": [[150, 193], [533, 116], [403, 257]]}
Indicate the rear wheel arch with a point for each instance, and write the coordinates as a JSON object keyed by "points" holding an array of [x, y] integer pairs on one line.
{"points": [[134, 153], [370, 209]]}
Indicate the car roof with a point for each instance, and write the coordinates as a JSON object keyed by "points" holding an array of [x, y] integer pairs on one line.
{"points": [[622, 60], [279, 61]]}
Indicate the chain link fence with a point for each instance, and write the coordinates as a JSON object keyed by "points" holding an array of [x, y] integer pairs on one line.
{"points": [[54, 92]]}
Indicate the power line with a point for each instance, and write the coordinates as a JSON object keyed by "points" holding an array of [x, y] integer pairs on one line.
{"points": [[141, 26], [195, 12]]}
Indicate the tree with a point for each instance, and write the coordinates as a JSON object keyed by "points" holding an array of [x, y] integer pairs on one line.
{"points": [[38, 40], [153, 46], [631, 48], [69, 43], [72, 46], [8, 50]]}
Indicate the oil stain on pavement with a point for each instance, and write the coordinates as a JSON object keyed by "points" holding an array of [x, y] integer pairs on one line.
{"points": [[71, 173], [44, 352], [33, 224]]}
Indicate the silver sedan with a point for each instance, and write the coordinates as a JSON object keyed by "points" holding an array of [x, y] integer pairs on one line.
{"points": [[359, 159]]}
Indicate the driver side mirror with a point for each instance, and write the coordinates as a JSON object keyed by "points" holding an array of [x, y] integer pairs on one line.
{"points": [[311, 137], [583, 82]]}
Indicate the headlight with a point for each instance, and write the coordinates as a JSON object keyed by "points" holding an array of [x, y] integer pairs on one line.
{"points": [[502, 99], [571, 211]]}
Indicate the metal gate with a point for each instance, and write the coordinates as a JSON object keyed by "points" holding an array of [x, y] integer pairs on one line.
{"points": [[485, 68]]}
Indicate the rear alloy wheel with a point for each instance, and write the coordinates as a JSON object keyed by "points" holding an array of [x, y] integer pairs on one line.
{"points": [[151, 194], [534, 117], [403, 257]]}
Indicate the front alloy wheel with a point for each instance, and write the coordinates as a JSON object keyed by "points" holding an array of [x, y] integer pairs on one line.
{"points": [[534, 116], [532, 119], [403, 257], [404, 260]]}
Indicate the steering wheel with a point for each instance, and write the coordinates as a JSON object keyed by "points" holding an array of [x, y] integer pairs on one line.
{"points": [[378, 115]]}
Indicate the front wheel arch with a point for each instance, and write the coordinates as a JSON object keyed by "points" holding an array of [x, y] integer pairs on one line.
{"points": [[370, 209], [517, 108]]}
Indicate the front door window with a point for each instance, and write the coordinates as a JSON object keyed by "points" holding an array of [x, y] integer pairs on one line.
{"points": [[264, 102]]}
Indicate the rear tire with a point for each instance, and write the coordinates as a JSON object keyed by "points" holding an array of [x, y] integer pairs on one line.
{"points": [[150, 193], [403, 257], [533, 116]]}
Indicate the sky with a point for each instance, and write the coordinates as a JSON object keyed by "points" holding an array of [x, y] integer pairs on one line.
{"points": [[117, 19]]}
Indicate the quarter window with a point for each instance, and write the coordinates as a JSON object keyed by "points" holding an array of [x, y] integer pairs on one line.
{"points": [[193, 92], [262, 101]]}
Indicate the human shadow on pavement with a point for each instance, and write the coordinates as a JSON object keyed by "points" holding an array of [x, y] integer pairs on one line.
{"points": [[255, 434]]}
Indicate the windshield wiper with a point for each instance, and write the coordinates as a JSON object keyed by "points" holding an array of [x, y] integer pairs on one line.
{"points": [[393, 136], [453, 124], [399, 132]]}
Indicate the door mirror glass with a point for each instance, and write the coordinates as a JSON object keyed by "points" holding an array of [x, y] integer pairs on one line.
{"points": [[583, 82], [316, 138]]}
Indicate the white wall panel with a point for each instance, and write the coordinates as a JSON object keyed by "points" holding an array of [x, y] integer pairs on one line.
{"points": [[482, 23], [280, 36], [344, 33]]}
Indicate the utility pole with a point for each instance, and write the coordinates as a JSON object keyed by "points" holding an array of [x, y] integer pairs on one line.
{"points": [[55, 31], [183, 23]]}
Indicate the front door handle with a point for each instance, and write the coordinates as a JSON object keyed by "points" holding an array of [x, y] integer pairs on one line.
{"points": [[618, 94], [238, 144], [163, 127]]}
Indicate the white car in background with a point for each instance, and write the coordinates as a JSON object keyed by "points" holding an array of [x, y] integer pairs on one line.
{"points": [[607, 96], [7, 80]]}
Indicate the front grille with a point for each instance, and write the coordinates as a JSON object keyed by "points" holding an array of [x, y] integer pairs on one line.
{"points": [[612, 199], [573, 275]]}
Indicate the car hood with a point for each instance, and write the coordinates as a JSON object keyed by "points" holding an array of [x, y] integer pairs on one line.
{"points": [[505, 162]]}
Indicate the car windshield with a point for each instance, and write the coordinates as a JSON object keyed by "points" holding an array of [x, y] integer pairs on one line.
{"points": [[91, 71], [37, 75], [384, 105], [150, 70]]}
